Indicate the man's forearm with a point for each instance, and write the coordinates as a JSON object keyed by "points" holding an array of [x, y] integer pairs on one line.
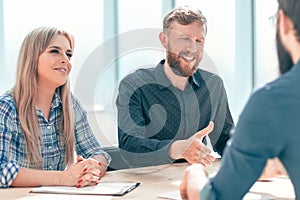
{"points": [[176, 149]]}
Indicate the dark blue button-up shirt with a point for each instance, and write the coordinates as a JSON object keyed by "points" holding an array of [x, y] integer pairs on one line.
{"points": [[268, 127], [152, 113]]}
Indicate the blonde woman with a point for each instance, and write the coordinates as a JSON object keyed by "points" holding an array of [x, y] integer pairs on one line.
{"points": [[42, 124]]}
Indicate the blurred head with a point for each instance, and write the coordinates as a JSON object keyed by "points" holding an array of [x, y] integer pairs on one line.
{"points": [[183, 36], [291, 8]]}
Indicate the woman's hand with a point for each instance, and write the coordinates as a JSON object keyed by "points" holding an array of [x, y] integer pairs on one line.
{"points": [[86, 172]]}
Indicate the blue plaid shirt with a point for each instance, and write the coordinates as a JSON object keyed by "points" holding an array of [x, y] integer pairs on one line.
{"points": [[12, 141]]}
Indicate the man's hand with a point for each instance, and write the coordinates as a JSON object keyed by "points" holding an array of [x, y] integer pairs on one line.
{"points": [[272, 169], [193, 181], [192, 149]]}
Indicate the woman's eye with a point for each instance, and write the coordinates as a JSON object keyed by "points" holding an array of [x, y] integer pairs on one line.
{"points": [[54, 51], [69, 55]]}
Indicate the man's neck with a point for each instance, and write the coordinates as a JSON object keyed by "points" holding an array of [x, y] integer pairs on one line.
{"points": [[295, 54], [177, 81]]}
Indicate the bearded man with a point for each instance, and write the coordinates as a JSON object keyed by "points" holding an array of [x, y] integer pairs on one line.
{"points": [[166, 112]]}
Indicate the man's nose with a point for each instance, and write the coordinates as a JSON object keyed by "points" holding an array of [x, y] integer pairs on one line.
{"points": [[192, 46]]}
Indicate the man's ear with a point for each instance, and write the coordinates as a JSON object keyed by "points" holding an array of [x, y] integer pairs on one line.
{"points": [[163, 39], [286, 25]]}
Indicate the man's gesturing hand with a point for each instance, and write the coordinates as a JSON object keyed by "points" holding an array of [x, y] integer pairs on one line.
{"points": [[192, 149]]}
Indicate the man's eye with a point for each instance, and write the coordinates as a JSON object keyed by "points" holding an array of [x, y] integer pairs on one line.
{"points": [[184, 39]]}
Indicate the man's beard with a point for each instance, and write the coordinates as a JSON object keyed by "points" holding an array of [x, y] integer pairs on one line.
{"points": [[177, 68], [284, 58]]}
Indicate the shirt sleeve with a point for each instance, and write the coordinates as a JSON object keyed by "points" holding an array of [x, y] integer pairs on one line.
{"points": [[221, 115], [86, 143], [137, 148], [8, 174], [246, 153], [8, 168]]}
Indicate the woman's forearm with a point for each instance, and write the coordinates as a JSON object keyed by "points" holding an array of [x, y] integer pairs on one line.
{"points": [[32, 177]]}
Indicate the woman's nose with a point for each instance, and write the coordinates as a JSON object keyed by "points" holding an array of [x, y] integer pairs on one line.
{"points": [[64, 60]]}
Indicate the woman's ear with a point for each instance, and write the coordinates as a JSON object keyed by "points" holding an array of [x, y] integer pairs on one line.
{"points": [[163, 39]]}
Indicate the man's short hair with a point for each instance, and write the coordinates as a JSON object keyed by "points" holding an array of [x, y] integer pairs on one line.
{"points": [[291, 8], [184, 15]]}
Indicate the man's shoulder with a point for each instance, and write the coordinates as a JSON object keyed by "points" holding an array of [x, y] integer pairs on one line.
{"points": [[208, 75], [211, 79], [263, 98], [139, 76], [285, 85]]}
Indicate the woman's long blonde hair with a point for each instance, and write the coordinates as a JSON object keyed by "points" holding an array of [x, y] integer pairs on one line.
{"points": [[25, 94]]}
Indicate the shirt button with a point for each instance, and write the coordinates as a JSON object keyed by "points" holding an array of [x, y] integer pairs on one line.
{"points": [[50, 167], [50, 147], [48, 127]]}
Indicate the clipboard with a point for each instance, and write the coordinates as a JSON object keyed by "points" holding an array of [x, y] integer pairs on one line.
{"points": [[103, 188]]}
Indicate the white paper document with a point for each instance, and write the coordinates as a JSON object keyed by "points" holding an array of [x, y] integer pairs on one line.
{"points": [[175, 195], [103, 188], [279, 188], [275, 188]]}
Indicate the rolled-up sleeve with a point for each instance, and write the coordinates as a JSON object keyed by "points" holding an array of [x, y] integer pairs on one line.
{"points": [[8, 173], [8, 168]]}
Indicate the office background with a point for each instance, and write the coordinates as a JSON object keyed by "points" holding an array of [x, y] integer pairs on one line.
{"points": [[240, 44]]}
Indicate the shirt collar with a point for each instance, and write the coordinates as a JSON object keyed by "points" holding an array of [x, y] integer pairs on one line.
{"points": [[196, 78], [56, 101], [297, 64], [163, 81], [160, 76]]}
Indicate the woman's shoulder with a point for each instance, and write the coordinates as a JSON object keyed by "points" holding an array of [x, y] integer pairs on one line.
{"points": [[76, 105], [7, 99], [7, 104]]}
